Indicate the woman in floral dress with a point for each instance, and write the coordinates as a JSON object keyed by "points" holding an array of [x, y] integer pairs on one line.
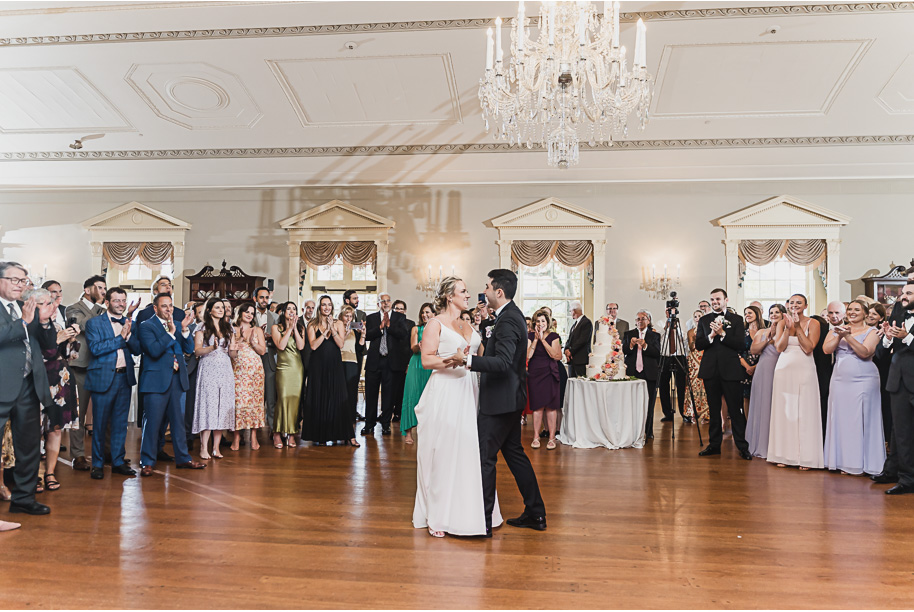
{"points": [[249, 376], [214, 407], [700, 409]]}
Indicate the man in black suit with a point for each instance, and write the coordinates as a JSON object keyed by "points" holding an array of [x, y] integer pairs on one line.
{"points": [[899, 464], [577, 347], [351, 298], [502, 397], [402, 355], [641, 347], [721, 335], [383, 331], [25, 331]]}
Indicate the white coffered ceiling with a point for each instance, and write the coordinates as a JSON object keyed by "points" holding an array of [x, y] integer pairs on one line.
{"points": [[269, 93]]}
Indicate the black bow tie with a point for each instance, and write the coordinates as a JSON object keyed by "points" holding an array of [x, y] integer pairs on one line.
{"points": [[909, 315], [121, 321]]}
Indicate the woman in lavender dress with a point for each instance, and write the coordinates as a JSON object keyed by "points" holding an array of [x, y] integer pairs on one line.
{"points": [[762, 382], [854, 440], [214, 407]]}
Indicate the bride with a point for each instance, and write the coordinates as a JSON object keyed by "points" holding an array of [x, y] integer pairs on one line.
{"points": [[449, 494]]}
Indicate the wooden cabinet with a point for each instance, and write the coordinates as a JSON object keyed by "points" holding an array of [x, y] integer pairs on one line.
{"points": [[887, 288], [228, 283]]}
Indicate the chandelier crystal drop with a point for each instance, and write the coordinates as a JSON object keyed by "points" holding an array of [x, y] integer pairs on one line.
{"points": [[568, 85]]}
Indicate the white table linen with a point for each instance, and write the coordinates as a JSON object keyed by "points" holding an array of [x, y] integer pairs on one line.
{"points": [[608, 414]]}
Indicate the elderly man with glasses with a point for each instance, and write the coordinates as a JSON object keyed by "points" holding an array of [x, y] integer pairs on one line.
{"points": [[25, 330]]}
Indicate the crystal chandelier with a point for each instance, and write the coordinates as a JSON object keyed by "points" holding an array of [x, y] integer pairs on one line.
{"points": [[659, 287], [568, 85]]}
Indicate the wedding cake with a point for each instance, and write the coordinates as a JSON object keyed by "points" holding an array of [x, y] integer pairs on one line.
{"points": [[606, 360]]}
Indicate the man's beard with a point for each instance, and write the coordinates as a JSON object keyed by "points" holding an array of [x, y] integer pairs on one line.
{"points": [[720, 310]]}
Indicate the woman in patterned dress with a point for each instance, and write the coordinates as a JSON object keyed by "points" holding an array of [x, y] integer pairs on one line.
{"points": [[752, 315], [249, 376], [699, 410], [214, 407]]}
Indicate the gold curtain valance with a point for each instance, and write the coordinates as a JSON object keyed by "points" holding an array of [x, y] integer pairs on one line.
{"points": [[316, 254], [809, 252], [153, 254], [570, 253]]}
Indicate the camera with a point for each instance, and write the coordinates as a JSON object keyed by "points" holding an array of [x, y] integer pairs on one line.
{"points": [[672, 305]]}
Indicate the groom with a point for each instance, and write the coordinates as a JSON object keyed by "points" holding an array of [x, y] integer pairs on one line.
{"points": [[502, 396]]}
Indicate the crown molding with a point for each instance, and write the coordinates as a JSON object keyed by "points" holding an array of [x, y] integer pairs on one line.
{"points": [[447, 24], [451, 149]]}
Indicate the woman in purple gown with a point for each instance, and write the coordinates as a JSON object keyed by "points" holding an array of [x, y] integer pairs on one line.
{"points": [[762, 382], [543, 352], [854, 439]]}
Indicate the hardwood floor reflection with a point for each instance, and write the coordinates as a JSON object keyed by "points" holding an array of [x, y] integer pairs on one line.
{"points": [[329, 527]]}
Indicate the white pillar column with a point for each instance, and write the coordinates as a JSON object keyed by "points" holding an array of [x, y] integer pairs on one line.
{"points": [[504, 253], [294, 267], [734, 291], [382, 255], [178, 280], [599, 278], [833, 269], [97, 257]]}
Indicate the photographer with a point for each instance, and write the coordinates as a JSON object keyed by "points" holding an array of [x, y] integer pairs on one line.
{"points": [[675, 352]]}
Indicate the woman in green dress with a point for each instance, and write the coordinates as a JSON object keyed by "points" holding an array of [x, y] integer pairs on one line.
{"points": [[416, 375], [289, 339]]}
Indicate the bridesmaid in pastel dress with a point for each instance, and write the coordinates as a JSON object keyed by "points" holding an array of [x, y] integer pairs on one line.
{"points": [[854, 439], [795, 436], [214, 404], [249, 376], [759, 418]]}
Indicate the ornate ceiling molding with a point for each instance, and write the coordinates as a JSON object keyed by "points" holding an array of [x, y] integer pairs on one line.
{"points": [[446, 24], [452, 149]]}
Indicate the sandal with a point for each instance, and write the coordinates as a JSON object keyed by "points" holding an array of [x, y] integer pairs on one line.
{"points": [[51, 485], [409, 440], [217, 454], [535, 443], [290, 441], [435, 534], [5, 494], [40, 487], [550, 445], [355, 443]]}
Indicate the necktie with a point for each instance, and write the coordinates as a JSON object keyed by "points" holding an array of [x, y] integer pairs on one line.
{"points": [[571, 329], [120, 321], [28, 346], [383, 347], [639, 362]]}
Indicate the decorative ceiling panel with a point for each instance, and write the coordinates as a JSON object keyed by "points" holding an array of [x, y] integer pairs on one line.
{"points": [[359, 91], [54, 99], [754, 79], [897, 96], [195, 95]]}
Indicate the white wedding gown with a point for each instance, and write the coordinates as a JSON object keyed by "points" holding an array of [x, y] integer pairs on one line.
{"points": [[449, 492]]}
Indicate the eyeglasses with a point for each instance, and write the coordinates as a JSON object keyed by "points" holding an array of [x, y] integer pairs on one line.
{"points": [[15, 280]]}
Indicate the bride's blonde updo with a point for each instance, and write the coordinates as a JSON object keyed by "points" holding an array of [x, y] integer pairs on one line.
{"points": [[446, 289]]}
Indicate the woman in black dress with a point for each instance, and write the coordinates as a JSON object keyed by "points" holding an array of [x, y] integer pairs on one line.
{"points": [[326, 418], [543, 354]]}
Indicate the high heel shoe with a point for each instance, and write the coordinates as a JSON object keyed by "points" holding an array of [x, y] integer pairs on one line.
{"points": [[355, 443], [217, 454], [535, 443], [435, 534]]}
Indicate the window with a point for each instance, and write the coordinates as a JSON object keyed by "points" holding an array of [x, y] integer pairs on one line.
{"points": [[774, 283], [368, 302], [137, 279], [554, 286], [335, 278]]}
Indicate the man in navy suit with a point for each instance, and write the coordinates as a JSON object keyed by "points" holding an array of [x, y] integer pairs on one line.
{"points": [[162, 381], [109, 379]]}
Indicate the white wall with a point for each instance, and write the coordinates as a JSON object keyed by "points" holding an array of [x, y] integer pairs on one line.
{"points": [[444, 225]]}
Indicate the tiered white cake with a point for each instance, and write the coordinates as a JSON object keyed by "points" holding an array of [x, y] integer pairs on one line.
{"points": [[606, 360]]}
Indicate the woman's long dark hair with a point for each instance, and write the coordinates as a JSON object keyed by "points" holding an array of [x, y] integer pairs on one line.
{"points": [[281, 311], [242, 309], [759, 319], [209, 330]]}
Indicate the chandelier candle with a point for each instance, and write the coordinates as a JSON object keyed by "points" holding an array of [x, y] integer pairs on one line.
{"points": [[566, 82]]}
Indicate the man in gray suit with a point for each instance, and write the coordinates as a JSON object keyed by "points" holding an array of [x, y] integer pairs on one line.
{"points": [[88, 306], [265, 319], [25, 330], [612, 311], [351, 297]]}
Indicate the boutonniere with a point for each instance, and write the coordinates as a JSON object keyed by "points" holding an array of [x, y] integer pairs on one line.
{"points": [[489, 331], [722, 321]]}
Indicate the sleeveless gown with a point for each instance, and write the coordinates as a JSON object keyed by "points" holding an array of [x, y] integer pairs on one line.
{"points": [[290, 372], [326, 416], [854, 438], [757, 433], [449, 476], [214, 403], [795, 436]]}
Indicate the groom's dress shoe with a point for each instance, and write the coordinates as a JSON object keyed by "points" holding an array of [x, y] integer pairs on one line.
{"points": [[709, 451], [531, 522], [744, 454], [899, 489], [33, 508], [884, 478]]}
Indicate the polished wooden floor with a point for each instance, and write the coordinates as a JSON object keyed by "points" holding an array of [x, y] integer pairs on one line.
{"points": [[325, 527]]}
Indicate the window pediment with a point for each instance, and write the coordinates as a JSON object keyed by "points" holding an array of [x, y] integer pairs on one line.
{"points": [[135, 216], [551, 212], [336, 215], [783, 211]]}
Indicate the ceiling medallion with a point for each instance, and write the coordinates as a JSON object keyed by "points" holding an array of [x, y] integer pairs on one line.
{"points": [[569, 84]]}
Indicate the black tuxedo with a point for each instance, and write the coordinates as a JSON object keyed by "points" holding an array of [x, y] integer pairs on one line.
{"points": [[900, 386], [502, 397], [824, 367], [402, 354], [379, 369], [579, 345], [650, 361], [21, 395], [722, 374]]}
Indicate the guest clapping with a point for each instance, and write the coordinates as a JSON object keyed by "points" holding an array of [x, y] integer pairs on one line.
{"points": [[249, 376], [854, 439], [353, 346], [752, 318], [759, 417], [416, 375], [289, 340], [641, 347], [214, 406], [544, 351]]}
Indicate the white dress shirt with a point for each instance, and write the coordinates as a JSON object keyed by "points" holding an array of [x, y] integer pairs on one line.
{"points": [[908, 323]]}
